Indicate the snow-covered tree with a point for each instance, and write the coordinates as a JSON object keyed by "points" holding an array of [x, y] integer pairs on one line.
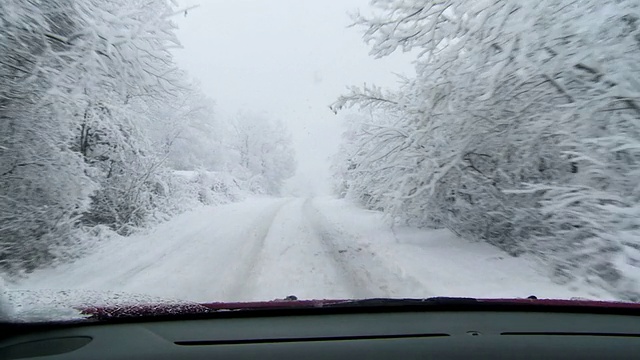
{"points": [[520, 128], [195, 139], [91, 103], [263, 152], [44, 185]]}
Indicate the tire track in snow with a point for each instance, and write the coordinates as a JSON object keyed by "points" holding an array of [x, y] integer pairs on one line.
{"points": [[249, 255], [366, 275], [294, 262], [358, 278]]}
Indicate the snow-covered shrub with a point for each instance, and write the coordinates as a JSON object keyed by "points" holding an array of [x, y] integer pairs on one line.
{"points": [[227, 186], [208, 187], [211, 189]]}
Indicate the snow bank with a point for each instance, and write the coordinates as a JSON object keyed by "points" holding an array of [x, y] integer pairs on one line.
{"points": [[444, 263]]}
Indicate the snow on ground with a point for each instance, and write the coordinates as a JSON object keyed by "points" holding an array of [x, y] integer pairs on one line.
{"points": [[267, 248], [442, 262]]}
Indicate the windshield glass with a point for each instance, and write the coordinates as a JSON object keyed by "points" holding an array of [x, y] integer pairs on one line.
{"points": [[157, 151]]}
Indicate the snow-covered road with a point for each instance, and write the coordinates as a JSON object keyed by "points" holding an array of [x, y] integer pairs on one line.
{"points": [[267, 248]]}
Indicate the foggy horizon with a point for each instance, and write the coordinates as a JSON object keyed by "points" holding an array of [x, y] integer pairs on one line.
{"points": [[284, 74]]}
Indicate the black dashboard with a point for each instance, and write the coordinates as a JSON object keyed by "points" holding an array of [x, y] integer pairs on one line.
{"points": [[349, 333]]}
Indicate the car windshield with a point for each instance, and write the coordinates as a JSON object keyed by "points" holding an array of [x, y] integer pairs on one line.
{"points": [[206, 151]]}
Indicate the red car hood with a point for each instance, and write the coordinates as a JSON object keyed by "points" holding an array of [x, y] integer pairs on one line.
{"points": [[366, 305]]}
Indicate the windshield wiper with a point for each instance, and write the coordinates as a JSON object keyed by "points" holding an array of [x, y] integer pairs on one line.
{"points": [[386, 302]]}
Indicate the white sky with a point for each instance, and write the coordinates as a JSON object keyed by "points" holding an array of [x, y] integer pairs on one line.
{"points": [[288, 59]]}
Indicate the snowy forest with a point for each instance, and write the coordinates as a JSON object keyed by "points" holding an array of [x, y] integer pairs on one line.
{"points": [[521, 128], [101, 133]]}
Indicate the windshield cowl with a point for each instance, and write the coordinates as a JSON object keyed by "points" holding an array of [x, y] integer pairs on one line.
{"points": [[303, 307]]}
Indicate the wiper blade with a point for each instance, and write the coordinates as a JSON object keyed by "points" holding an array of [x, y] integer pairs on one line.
{"points": [[386, 302]]}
